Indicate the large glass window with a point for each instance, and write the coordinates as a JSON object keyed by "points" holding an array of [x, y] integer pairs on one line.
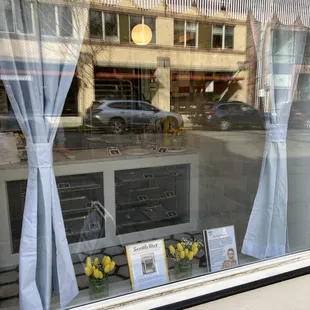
{"points": [[185, 33], [223, 37], [126, 167], [103, 25]]}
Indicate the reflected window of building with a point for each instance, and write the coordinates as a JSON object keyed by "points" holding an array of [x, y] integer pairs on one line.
{"points": [[135, 20], [10, 17], [103, 26], [185, 33], [65, 21], [55, 20], [222, 36]]}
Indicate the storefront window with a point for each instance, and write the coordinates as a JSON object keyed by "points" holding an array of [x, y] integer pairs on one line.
{"points": [[125, 167]]}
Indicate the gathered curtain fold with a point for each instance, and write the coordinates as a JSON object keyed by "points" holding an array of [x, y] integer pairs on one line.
{"points": [[37, 74], [281, 49]]}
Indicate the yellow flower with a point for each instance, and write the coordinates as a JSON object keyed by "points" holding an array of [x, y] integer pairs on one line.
{"points": [[88, 271], [195, 251], [88, 262], [107, 268], [107, 261], [195, 245], [182, 254], [100, 274], [190, 255], [96, 274], [179, 247], [186, 252], [171, 249], [112, 265], [96, 261], [103, 259]]}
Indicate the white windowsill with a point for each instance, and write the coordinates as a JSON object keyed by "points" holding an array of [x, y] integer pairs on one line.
{"points": [[207, 284]]}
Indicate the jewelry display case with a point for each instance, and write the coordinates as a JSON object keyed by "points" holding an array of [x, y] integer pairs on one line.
{"points": [[152, 197], [108, 200], [81, 199]]}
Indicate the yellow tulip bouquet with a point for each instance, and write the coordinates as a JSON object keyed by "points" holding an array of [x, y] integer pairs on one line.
{"points": [[184, 253], [98, 272]]}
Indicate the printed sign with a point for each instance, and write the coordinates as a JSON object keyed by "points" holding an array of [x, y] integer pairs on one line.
{"points": [[220, 244], [147, 263]]}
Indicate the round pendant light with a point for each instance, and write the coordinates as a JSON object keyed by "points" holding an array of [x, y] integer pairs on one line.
{"points": [[141, 34]]}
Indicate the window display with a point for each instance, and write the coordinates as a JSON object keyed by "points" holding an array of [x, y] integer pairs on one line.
{"points": [[97, 171]]}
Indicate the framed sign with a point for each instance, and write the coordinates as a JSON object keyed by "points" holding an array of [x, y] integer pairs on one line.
{"points": [[221, 249], [147, 263]]}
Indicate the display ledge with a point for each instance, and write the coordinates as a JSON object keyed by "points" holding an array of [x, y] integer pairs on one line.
{"points": [[93, 155], [204, 285]]}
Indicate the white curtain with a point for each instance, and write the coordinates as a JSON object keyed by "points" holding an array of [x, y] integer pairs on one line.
{"points": [[282, 48], [37, 74]]}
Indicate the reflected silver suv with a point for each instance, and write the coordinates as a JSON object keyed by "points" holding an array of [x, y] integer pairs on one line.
{"points": [[116, 116]]}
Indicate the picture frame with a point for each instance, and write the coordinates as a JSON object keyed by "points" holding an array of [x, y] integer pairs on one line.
{"points": [[147, 264], [221, 252]]}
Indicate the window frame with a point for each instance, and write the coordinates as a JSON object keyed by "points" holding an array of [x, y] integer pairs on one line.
{"points": [[16, 31], [143, 23], [185, 31], [115, 39], [223, 37], [58, 28]]}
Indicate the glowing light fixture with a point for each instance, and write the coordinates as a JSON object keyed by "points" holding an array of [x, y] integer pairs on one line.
{"points": [[141, 34]]}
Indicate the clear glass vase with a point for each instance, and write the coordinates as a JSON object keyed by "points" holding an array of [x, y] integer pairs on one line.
{"points": [[98, 288], [183, 269]]}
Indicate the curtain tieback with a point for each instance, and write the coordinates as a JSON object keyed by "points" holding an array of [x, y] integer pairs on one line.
{"points": [[276, 133], [40, 155]]}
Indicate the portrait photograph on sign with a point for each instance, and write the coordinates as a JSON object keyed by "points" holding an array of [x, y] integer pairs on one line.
{"points": [[220, 245]]}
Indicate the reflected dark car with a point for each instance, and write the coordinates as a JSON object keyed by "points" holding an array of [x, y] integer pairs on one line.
{"points": [[300, 115], [116, 116], [228, 115]]}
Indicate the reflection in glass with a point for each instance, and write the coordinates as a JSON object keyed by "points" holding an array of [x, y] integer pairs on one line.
{"points": [[95, 24]]}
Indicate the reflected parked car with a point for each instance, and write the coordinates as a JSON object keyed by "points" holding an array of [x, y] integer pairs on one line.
{"points": [[116, 116], [300, 115], [228, 115]]}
